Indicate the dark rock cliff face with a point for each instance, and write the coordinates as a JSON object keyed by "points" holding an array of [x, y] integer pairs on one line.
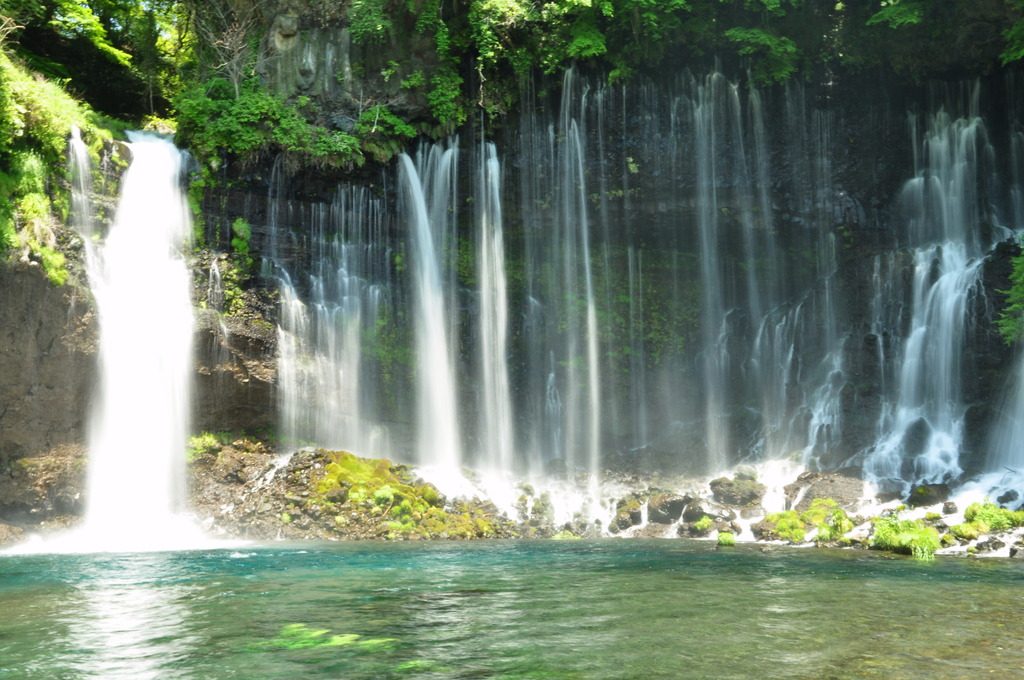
{"points": [[235, 371], [47, 373], [47, 363]]}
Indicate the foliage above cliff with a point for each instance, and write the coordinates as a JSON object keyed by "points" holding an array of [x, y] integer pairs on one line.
{"points": [[35, 117], [175, 56], [121, 57]]}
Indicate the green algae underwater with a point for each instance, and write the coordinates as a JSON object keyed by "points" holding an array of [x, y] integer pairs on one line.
{"points": [[607, 609]]}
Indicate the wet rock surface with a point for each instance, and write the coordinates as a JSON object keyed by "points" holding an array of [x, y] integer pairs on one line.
{"points": [[41, 492], [845, 487], [740, 491], [48, 340], [244, 491]]}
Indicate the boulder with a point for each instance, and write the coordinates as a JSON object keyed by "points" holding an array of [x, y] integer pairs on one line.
{"points": [[844, 487], [666, 508], [1007, 498], [628, 515], [990, 544], [922, 495], [738, 492], [693, 512]]}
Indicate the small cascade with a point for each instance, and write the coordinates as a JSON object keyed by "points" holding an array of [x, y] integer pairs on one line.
{"points": [[921, 427], [638, 354], [564, 400], [141, 285], [715, 359], [1004, 478], [1005, 465], [81, 185], [328, 379]]}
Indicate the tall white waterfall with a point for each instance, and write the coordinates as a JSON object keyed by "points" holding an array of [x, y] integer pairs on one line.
{"points": [[496, 434], [427, 198], [141, 286]]}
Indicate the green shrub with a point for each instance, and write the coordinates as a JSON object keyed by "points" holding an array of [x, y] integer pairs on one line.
{"points": [[905, 536], [995, 517], [726, 539], [242, 233], [201, 444], [53, 263], [212, 120], [786, 526], [831, 521], [565, 535], [369, 22], [8, 231], [385, 495], [969, 531]]}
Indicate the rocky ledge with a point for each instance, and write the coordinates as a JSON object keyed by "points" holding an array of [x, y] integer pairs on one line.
{"points": [[241, 488]]}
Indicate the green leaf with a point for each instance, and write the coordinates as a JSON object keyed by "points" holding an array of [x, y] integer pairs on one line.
{"points": [[899, 13]]}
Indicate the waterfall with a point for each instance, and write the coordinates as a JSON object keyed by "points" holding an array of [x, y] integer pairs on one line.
{"points": [[329, 387], [715, 351], [427, 191], [564, 401], [647, 281], [81, 185], [497, 440], [922, 425], [141, 286]]}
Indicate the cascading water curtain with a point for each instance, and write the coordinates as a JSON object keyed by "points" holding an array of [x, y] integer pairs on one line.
{"points": [[497, 454], [921, 429], [329, 385]]}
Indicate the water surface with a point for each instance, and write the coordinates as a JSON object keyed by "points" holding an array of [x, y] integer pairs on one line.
{"points": [[594, 610]]}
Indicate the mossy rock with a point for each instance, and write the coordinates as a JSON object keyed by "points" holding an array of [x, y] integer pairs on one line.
{"points": [[738, 492], [927, 494], [628, 515], [829, 519], [390, 498], [781, 526]]}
